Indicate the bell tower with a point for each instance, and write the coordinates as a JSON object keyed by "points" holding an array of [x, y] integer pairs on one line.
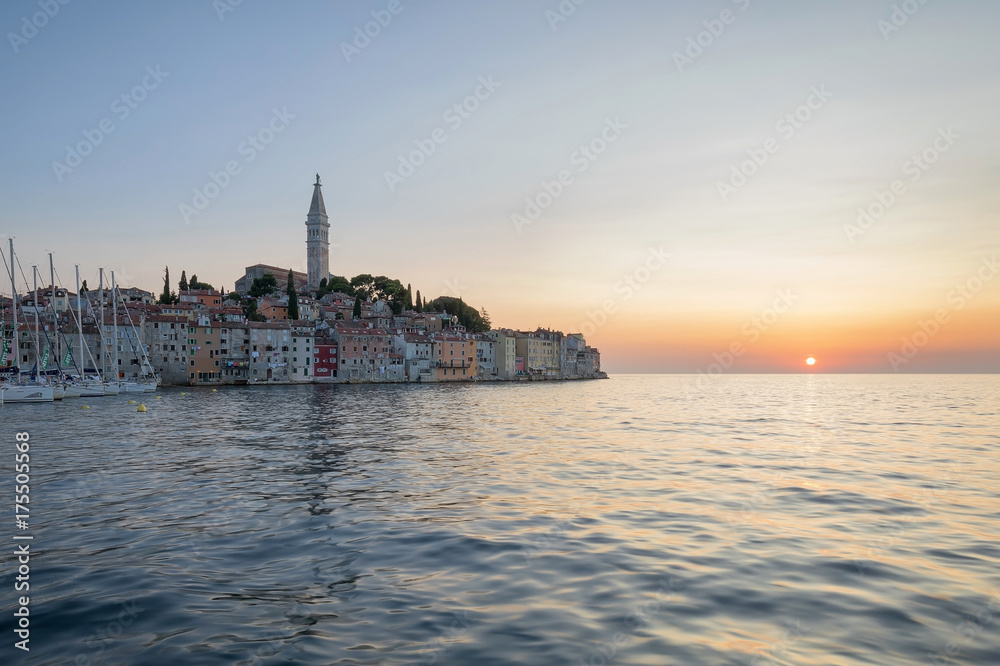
{"points": [[317, 238]]}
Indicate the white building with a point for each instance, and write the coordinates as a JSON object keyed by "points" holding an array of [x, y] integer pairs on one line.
{"points": [[303, 338], [486, 358]]}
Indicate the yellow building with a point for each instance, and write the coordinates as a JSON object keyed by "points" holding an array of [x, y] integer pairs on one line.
{"points": [[540, 351]]}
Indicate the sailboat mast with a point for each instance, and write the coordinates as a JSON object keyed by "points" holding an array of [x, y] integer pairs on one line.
{"points": [[34, 301], [100, 300], [79, 324], [114, 319], [55, 314], [13, 303]]}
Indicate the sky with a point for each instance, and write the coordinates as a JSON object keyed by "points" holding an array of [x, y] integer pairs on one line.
{"points": [[721, 186]]}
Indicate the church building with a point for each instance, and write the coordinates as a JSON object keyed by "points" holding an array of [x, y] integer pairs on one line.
{"points": [[317, 252]]}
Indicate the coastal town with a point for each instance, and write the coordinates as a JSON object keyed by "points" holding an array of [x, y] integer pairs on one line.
{"points": [[278, 326]]}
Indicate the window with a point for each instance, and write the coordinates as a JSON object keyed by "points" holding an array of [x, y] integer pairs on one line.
{"points": [[192, 363]]}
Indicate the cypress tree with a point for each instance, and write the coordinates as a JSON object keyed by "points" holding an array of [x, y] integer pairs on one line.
{"points": [[420, 307], [183, 284], [409, 297], [357, 308], [165, 296], [293, 298]]}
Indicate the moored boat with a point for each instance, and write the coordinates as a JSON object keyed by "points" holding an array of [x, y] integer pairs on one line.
{"points": [[13, 393]]}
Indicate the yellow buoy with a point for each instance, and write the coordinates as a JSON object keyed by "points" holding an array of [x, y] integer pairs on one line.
{"points": [[84, 406], [140, 408], [131, 402], [157, 397], [215, 390]]}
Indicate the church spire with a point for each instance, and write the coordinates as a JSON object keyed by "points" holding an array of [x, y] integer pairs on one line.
{"points": [[317, 207]]}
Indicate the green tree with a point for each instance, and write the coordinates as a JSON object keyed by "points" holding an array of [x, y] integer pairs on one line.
{"points": [[250, 310], [341, 284], [363, 285], [357, 308], [263, 286], [418, 305], [195, 284], [293, 298], [183, 284], [165, 298], [475, 321]]}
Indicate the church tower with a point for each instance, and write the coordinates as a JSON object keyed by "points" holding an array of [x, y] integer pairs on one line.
{"points": [[318, 238]]}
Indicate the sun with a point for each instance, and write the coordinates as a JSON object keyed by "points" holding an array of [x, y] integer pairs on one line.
{"points": [[810, 361]]}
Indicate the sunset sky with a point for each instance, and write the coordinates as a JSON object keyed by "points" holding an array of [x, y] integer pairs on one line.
{"points": [[833, 100]]}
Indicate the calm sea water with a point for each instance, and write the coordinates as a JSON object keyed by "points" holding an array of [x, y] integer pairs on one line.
{"points": [[638, 520]]}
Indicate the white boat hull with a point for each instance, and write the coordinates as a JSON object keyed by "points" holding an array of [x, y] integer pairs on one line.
{"points": [[112, 389], [12, 394], [90, 390], [72, 391]]}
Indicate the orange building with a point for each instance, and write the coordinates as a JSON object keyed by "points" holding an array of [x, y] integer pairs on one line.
{"points": [[207, 297], [456, 357], [273, 310], [204, 351]]}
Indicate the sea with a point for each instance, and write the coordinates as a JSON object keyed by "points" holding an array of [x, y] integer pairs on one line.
{"points": [[643, 519]]}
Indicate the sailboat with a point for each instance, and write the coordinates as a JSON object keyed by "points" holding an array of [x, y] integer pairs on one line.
{"points": [[85, 386], [148, 380], [16, 389]]}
